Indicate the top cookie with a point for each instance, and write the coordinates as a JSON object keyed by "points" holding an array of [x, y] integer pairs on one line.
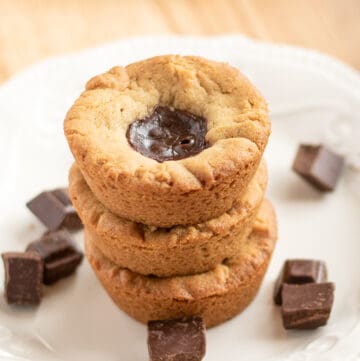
{"points": [[168, 140]]}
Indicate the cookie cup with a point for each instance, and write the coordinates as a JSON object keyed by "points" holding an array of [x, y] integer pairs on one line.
{"points": [[216, 296], [164, 252], [186, 191]]}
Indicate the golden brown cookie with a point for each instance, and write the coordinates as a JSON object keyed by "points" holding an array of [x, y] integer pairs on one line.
{"points": [[180, 250], [190, 190], [217, 295]]}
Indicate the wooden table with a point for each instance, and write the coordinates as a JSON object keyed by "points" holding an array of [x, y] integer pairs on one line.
{"points": [[31, 30]]}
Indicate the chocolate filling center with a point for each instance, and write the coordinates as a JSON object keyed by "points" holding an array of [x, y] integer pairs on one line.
{"points": [[168, 134]]}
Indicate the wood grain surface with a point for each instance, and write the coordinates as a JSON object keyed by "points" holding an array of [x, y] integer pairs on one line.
{"points": [[31, 30]]}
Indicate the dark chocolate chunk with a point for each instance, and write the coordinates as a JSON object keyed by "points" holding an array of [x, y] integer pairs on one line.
{"points": [[59, 255], [61, 267], [23, 278], [72, 221], [62, 194], [52, 245], [306, 306], [182, 339], [299, 271], [168, 134], [319, 166], [54, 210]]}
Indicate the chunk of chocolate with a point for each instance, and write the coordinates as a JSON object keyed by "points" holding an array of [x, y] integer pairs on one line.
{"points": [[319, 166], [59, 255], [62, 267], [54, 209], [299, 271], [168, 134], [182, 339], [307, 306], [62, 194], [23, 278]]}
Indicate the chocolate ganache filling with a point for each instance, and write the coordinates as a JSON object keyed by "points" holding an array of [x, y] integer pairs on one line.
{"points": [[168, 134]]}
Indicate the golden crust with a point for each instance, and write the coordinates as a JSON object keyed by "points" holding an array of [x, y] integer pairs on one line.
{"points": [[217, 295], [166, 252], [190, 190]]}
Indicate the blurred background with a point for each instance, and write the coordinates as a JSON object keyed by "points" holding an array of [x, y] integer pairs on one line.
{"points": [[31, 30]]}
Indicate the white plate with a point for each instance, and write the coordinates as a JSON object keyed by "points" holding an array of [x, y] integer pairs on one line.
{"points": [[312, 97]]}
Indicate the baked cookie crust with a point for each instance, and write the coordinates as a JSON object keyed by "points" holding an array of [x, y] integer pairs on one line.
{"points": [[216, 296], [167, 252], [187, 191]]}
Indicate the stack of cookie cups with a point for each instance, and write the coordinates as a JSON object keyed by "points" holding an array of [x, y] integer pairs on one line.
{"points": [[173, 233]]}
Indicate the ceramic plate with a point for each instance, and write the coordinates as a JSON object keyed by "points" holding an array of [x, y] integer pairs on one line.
{"points": [[312, 98]]}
